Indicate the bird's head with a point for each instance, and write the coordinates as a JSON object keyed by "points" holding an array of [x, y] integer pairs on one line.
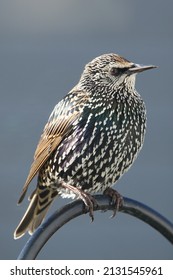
{"points": [[111, 70]]}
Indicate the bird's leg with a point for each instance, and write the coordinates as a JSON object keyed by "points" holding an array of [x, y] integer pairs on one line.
{"points": [[116, 199], [89, 201]]}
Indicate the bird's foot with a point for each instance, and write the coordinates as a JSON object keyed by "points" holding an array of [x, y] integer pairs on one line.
{"points": [[89, 201], [116, 199]]}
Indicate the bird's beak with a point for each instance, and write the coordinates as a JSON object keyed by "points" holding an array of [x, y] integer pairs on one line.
{"points": [[137, 68]]}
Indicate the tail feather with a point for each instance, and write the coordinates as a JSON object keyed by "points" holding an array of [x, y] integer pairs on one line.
{"points": [[40, 202]]}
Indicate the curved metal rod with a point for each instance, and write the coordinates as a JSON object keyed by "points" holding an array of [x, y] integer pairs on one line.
{"points": [[76, 208]]}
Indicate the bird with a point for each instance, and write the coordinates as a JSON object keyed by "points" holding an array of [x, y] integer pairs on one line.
{"points": [[92, 137]]}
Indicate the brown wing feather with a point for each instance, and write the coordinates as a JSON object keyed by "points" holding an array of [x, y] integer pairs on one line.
{"points": [[59, 123]]}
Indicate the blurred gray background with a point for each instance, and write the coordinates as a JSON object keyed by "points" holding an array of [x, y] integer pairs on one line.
{"points": [[44, 46]]}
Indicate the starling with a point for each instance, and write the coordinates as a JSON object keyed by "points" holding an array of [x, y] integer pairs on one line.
{"points": [[92, 137]]}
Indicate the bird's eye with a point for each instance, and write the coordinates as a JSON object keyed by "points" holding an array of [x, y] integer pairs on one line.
{"points": [[117, 71], [114, 71]]}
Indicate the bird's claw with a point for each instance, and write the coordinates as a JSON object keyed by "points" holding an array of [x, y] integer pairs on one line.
{"points": [[116, 199], [89, 201], [90, 204]]}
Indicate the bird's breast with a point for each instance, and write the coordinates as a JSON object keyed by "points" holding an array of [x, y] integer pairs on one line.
{"points": [[101, 147]]}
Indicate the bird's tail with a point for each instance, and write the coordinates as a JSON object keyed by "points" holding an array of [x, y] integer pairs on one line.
{"points": [[41, 200]]}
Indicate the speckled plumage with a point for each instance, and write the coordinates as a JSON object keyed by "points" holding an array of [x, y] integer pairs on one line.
{"points": [[91, 138]]}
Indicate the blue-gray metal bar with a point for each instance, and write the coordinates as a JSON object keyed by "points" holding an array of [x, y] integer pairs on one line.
{"points": [[76, 208]]}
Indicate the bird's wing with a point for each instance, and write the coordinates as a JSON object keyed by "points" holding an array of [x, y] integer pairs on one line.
{"points": [[59, 124]]}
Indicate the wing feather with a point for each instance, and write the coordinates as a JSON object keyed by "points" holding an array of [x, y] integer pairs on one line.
{"points": [[59, 124]]}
